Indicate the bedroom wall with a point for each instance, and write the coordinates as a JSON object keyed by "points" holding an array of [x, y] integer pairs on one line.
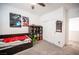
{"points": [[73, 12], [49, 27], [5, 28]]}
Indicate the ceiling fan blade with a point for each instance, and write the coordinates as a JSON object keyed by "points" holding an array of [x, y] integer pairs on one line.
{"points": [[42, 4]]}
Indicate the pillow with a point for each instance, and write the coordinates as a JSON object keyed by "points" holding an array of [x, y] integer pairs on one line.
{"points": [[28, 40], [27, 36]]}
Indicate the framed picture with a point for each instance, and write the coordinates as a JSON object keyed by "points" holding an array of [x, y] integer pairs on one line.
{"points": [[15, 20], [58, 26], [25, 21]]}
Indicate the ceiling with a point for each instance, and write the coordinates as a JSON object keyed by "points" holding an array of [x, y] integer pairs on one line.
{"points": [[39, 10]]}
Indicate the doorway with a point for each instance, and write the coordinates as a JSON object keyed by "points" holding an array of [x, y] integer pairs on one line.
{"points": [[74, 32]]}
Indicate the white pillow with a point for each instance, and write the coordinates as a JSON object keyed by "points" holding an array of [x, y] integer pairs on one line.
{"points": [[28, 40]]}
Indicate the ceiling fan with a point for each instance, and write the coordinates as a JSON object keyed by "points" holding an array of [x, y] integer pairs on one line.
{"points": [[41, 4]]}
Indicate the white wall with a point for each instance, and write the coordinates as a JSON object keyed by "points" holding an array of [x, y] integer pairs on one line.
{"points": [[49, 27], [0, 19], [73, 12], [5, 21]]}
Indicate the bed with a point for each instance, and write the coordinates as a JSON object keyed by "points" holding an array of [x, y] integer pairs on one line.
{"points": [[15, 46]]}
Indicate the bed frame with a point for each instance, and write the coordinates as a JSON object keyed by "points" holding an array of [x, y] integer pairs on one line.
{"points": [[17, 48]]}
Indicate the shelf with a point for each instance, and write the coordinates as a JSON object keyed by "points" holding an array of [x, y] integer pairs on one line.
{"points": [[36, 30]]}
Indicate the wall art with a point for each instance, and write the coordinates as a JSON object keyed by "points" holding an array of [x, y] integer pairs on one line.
{"points": [[15, 20], [58, 26], [25, 21]]}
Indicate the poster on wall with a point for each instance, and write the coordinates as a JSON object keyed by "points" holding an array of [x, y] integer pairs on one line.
{"points": [[58, 26], [15, 20], [25, 21]]}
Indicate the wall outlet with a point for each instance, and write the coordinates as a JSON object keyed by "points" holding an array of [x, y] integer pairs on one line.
{"points": [[59, 42]]}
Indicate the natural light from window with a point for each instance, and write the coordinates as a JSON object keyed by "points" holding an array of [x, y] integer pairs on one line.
{"points": [[74, 24]]}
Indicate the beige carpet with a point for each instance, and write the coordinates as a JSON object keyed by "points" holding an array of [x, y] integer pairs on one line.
{"points": [[46, 48]]}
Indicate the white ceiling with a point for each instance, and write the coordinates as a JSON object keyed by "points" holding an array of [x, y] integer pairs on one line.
{"points": [[39, 10]]}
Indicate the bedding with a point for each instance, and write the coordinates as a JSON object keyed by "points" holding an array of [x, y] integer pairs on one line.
{"points": [[14, 43], [7, 40], [1, 40], [12, 39], [21, 37]]}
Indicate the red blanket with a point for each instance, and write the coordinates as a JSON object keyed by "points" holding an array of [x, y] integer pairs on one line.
{"points": [[11, 39]]}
